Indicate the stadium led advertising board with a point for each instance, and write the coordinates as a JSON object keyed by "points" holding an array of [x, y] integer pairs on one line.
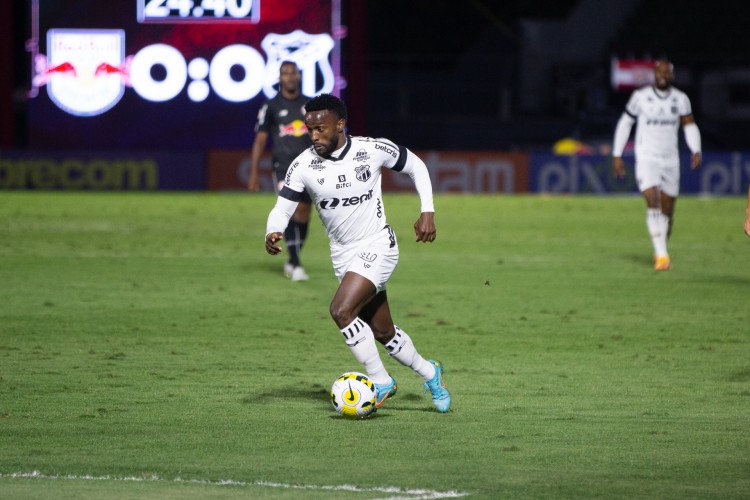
{"points": [[170, 73]]}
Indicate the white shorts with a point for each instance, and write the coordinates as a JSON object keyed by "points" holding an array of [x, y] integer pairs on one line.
{"points": [[661, 173], [375, 258]]}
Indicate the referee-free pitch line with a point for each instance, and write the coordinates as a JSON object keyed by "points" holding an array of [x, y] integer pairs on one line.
{"points": [[411, 494]]}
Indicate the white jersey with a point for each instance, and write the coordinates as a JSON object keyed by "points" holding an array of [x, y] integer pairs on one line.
{"points": [[658, 115], [346, 190]]}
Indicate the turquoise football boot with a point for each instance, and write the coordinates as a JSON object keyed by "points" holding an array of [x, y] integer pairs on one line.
{"points": [[441, 398]]}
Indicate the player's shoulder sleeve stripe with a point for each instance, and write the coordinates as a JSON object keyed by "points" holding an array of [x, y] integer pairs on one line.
{"points": [[390, 148], [401, 162], [290, 194]]}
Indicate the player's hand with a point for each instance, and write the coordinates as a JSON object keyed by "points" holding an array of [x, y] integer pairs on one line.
{"points": [[618, 167], [695, 161], [425, 227], [271, 240], [747, 225]]}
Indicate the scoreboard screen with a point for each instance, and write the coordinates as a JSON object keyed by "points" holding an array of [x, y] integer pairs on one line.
{"points": [[168, 74], [170, 11]]}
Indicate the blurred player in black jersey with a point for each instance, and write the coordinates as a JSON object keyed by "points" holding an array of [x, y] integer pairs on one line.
{"points": [[284, 118]]}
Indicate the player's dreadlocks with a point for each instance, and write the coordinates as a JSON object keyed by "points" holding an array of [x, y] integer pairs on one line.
{"points": [[327, 102]]}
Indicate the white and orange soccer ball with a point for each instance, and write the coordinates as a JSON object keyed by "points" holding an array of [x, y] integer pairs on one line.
{"points": [[353, 395]]}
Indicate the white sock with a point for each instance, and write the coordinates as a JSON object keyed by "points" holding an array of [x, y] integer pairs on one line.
{"points": [[361, 341], [658, 225], [402, 349]]}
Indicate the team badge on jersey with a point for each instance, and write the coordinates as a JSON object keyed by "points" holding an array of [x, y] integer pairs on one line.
{"points": [[363, 173]]}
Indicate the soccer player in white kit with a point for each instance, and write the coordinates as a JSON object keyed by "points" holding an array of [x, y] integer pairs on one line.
{"points": [[342, 175], [660, 110]]}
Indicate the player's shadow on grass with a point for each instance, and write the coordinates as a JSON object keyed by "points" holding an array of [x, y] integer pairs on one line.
{"points": [[271, 267], [409, 402], [314, 393], [639, 258], [401, 402]]}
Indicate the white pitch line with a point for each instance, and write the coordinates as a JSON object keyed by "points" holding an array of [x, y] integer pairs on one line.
{"points": [[405, 494]]}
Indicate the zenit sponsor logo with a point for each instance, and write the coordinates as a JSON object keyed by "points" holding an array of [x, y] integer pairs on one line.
{"points": [[331, 203], [388, 150], [662, 122]]}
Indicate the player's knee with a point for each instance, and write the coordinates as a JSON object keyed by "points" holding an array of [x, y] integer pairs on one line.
{"points": [[341, 314]]}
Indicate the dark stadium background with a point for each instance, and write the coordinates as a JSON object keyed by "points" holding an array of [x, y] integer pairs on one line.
{"points": [[512, 75]]}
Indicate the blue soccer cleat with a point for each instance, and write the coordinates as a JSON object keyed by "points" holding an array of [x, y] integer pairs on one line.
{"points": [[385, 391], [440, 396]]}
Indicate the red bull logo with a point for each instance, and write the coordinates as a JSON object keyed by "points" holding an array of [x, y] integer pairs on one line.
{"points": [[297, 129], [85, 70]]}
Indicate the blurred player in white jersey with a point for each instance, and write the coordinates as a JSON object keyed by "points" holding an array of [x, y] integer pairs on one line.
{"points": [[341, 173], [660, 110]]}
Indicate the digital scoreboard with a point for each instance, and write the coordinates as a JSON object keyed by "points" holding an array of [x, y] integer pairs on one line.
{"points": [[196, 11], [171, 73]]}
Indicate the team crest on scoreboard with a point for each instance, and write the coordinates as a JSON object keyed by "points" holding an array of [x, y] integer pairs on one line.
{"points": [[310, 53], [363, 173], [85, 70]]}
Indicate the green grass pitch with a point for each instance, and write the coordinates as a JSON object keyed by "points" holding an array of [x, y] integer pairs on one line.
{"points": [[150, 348]]}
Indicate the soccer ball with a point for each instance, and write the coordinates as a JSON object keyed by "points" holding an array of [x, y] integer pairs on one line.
{"points": [[353, 395]]}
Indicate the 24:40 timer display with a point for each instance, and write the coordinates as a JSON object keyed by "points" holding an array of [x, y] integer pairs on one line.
{"points": [[198, 11]]}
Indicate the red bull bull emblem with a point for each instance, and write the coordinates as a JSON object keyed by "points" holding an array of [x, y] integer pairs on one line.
{"points": [[297, 129]]}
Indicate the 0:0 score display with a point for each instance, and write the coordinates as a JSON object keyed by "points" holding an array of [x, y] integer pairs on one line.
{"points": [[198, 11]]}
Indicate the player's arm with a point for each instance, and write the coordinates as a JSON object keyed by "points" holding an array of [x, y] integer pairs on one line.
{"points": [[622, 133], [692, 138], [259, 146], [279, 217], [413, 166], [747, 214]]}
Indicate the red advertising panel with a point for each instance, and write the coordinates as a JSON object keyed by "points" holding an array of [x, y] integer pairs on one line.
{"points": [[629, 74]]}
